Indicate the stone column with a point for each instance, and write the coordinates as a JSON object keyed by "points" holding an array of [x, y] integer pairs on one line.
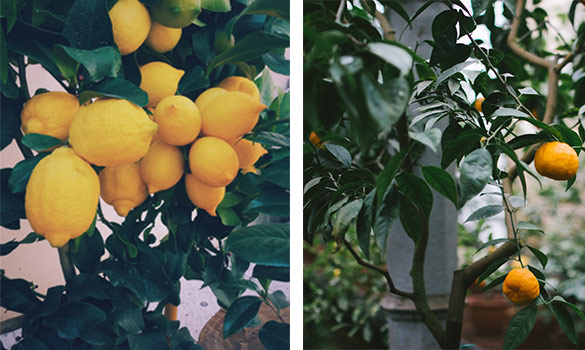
{"points": [[407, 331]]}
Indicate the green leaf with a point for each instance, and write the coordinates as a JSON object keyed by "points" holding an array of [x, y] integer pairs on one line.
{"points": [[411, 219], [216, 5], [558, 298], [10, 119], [565, 320], [9, 11], [539, 255], [343, 218], [441, 181], [460, 146], [495, 282], [100, 63], [485, 212], [250, 47], [39, 142], [452, 71], [476, 171], [387, 175], [364, 223], [90, 248], [393, 54], [128, 316], [268, 138], [340, 153], [520, 326], [88, 25], [278, 299], [509, 112], [240, 313], [492, 242], [386, 102], [21, 172], [266, 244], [275, 335], [524, 225], [193, 80], [149, 339], [8, 247], [273, 8], [116, 88], [272, 273], [430, 137], [492, 268], [229, 217], [386, 217], [17, 295], [417, 191], [75, 318]]}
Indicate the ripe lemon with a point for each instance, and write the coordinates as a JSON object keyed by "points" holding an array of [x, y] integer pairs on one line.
{"points": [[178, 119], [248, 154], [241, 84], [521, 286], [478, 104], [62, 196], [162, 167], [231, 115], [159, 80], [203, 196], [208, 95], [50, 113], [556, 160], [111, 132], [163, 39], [130, 25], [122, 187], [175, 13], [213, 161]]}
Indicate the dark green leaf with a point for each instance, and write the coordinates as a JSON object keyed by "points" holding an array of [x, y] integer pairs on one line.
{"points": [[558, 298], [520, 326], [22, 171], [417, 191], [386, 216], [340, 153], [10, 119], [8, 247], [492, 268], [216, 5], [272, 273], [278, 299], [343, 218], [88, 25], [149, 339], [386, 102], [411, 219], [485, 212], [116, 88], [496, 281], [265, 244], [90, 248], [75, 318], [17, 295], [240, 313], [100, 63], [193, 80], [268, 7], [390, 170], [565, 320], [39, 142], [364, 223], [460, 146], [539, 255], [441, 181], [476, 171], [275, 335], [272, 139], [128, 316]]}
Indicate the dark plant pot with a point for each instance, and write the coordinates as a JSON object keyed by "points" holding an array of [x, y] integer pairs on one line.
{"points": [[489, 314]]}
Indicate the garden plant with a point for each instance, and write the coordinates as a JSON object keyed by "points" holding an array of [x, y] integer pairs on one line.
{"points": [[170, 114], [372, 106]]}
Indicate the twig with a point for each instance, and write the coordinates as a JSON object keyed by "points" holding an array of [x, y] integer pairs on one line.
{"points": [[22, 78], [103, 218], [515, 47], [378, 269], [66, 263], [340, 11], [389, 33]]}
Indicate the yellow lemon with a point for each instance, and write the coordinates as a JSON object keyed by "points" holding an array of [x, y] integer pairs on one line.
{"points": [[203, 196], [241, 84], [162, 167], [111, 132], [213, 161], [248, 154], [122, 187], [230, 116], [208, 95], [556, 160], [50, 113], [163, 39], [178, 119], [130, 25], [159, 80], [62, 196], [176, 13]]}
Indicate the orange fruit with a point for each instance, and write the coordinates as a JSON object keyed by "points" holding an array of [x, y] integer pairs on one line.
{"points": [[556, 160], [478, 104], [521, 286]]}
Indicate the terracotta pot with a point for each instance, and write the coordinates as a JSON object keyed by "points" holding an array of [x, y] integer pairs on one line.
{"points": [[489, 314]]}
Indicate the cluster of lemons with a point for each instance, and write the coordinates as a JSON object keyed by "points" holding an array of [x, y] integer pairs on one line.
{"points": [[140, 153]]}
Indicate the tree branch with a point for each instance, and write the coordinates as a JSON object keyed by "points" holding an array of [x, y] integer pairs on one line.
{"points": [[378, 269], [66, 263], [515, 47], [388, 32]]}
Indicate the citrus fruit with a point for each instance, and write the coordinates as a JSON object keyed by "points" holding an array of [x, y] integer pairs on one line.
{"points": [[230, 115], [62, 196], [213, 161], [222, 43], [478, 104], [521, 286], [50, 113], [175, 13], [208, 95], [241, 84], [159, 80], [203, 196], [162, 167], [178, 119], [122, 187], [130, 25], [163, 39], [556, 160], [170, 312], [111, 132], [248, 154], [315, 139]]}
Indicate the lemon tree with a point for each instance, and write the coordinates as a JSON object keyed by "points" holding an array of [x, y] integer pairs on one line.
{"points": [[164, 124], [374, 104]]}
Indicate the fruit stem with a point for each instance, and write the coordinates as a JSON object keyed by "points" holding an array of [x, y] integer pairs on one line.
{"points": [[66, 263]]}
